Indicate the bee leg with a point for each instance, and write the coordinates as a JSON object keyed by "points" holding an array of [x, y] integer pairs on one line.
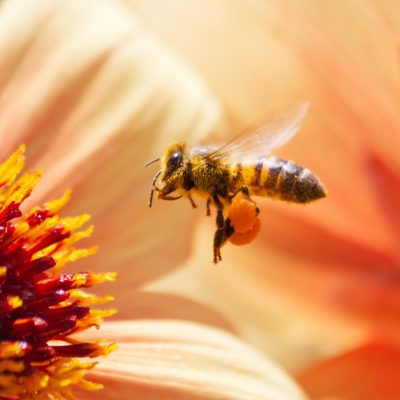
{"points": [[154, 187], [171, 198], [228, 229], [208, 213], [219, 236], [194, 205], [244, 190]]}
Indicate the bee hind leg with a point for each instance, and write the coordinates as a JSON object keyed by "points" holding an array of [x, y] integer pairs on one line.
{"points": [[243, 189], [219, 236], [228, 229]]}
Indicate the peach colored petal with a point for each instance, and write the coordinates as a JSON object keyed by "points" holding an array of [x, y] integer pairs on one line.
{"points": [[369, 372], [313, 60], [276, 302], [95, 95], [172, 359], [288, 303], [311, 57], [234, 47], [389, 15], [340, 255], [149, 305], [117, 93]]}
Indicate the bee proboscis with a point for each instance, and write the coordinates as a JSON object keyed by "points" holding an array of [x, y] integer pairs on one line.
{"points": [[242, 165]]}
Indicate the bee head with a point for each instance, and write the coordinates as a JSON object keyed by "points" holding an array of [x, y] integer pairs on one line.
{"points": [[173, 159], [171, 175], [172, 171]]}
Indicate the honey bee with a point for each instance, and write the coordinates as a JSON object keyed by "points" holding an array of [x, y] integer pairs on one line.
{"points": [[242, 165]]}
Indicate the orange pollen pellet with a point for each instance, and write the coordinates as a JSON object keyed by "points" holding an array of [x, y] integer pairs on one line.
{"points": [[241, 238], [243, 214]]}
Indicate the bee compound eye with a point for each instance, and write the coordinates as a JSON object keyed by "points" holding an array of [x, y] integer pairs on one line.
{"points": [[175, 159]]}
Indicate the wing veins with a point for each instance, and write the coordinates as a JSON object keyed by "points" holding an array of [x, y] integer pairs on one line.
{"points": [[264, 138]]}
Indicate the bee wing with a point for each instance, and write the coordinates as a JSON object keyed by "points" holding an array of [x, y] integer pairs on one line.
{"points": [[264, 138]]}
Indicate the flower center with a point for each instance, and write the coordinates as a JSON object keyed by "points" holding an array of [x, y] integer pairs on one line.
{"points": [[40, 307]]}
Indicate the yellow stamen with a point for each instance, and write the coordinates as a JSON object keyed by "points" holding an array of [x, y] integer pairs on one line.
{"points": [[27, 233], [10, 168], [19, 191], [14, 302], [72, 224], [43, 361], [9, 349], [86, 299], [69, 255], [11, 366], [54, 206], [93, 279], [95, 318], [3, 271]]}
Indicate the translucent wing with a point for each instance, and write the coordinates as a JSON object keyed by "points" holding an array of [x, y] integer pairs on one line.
{"points": [[263, 139]]}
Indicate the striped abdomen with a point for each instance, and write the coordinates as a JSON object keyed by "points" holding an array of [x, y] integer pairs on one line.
{"points": [[281, 179]]}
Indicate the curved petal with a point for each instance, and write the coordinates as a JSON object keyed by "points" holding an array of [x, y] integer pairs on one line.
{"points": [[161, 306], [95, 95], [276, 301], [368, 372], [172, 359], [235, 47], [353, 101], [341, 253], [305, 237]]}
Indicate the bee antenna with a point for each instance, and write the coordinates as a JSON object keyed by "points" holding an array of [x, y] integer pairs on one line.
{"points": [[153, 187], [152, 162]]}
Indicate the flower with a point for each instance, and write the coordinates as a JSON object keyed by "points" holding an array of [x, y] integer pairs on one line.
{"points": [[38, 304], [95, 95]]}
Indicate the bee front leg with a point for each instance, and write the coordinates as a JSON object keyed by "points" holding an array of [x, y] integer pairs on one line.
{"points": [[208, 212], [194, 205], [219, 236]]}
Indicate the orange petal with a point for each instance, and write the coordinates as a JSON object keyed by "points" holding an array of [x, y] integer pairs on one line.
{"points": [[369, 372], [172, 359], [385, 184], [303, 237], [272, 299]]}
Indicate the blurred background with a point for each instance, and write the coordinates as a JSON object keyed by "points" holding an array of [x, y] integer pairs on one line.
{"points": [[97, 89]]}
